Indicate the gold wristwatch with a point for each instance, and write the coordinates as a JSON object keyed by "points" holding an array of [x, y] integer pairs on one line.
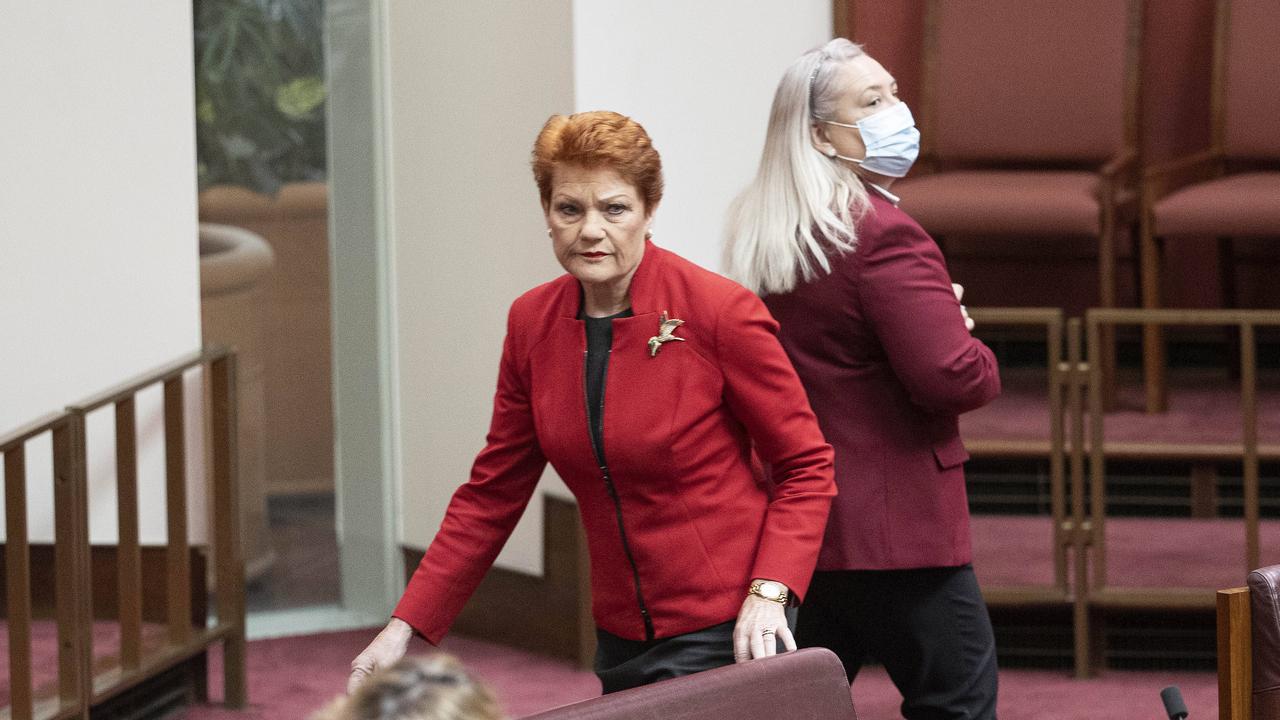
{"points": [[770, 590]]}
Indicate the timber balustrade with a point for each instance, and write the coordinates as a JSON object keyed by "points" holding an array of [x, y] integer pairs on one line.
{"points": [[1077, 449], [1050, 322], [79, 688], [1097, 591]]}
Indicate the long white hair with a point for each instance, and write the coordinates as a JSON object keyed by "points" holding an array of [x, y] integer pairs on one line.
{"points": [[801, 204]]}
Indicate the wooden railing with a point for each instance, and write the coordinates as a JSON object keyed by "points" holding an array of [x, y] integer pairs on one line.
{"points": [[79, 689], [68, 508], [1079, 542], [1246, 322], [1050, 321]]}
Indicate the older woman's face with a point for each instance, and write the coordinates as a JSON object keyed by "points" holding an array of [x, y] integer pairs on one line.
{"points": [[598, 222], [867, 88]]}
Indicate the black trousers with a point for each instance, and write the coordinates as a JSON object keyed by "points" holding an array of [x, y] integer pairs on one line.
{"points": [[928, 627], [622, 664]]}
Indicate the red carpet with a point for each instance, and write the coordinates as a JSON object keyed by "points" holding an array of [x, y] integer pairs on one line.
{"points": [[1204, 407], [44, 649], [1141, 552], [291, 677]]}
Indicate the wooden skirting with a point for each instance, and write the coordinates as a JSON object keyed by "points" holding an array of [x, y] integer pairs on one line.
{"points": [[550, 615], [102, 567]]}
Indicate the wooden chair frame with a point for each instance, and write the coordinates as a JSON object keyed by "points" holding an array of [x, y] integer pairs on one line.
{"points": [[1161, 180], [1118, 188], [79, 689], [1235, 654]]}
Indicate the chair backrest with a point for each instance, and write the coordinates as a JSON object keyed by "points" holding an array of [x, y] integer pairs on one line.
{"points": [[1249, 648], [1246, 103], [1011, 80], [1264, 601], [808, 684]]}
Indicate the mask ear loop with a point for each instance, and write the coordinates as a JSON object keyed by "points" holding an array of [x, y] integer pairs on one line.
{"points": [[834, 154]]}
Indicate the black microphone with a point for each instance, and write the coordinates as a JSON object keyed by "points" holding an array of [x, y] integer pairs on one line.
{"points": [[1173, 703]]}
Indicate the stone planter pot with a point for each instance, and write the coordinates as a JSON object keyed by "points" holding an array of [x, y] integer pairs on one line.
{"points": [[296, 353], [234, 265]]}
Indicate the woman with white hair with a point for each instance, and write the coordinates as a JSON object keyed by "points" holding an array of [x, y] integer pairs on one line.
{"points": [[875, 329]]}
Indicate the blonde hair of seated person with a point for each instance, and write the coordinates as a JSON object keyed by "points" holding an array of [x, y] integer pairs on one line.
{"points": [[431, 687]]}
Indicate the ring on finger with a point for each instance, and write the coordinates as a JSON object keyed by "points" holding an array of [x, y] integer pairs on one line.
{"points": [[766, 632]]}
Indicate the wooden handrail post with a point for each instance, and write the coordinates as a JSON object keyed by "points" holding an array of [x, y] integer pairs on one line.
{"points": [[1097, 518], [128, 552], [1249, 411], [71, 557], [18, 583], [1057, 451], [1080, 600], [178, 550], [229, 553]]}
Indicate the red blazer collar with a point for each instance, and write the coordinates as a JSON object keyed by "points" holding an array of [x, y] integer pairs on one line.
{"points": [[643, 290]]}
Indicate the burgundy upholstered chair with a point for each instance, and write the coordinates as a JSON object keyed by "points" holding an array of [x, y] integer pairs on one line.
{"points": [[1029, 121], [807, 684], [1029, 125], [1231, 190], [1249, 648]]}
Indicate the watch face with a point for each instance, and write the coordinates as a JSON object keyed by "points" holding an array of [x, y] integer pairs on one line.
{"points": [[771, 590]]}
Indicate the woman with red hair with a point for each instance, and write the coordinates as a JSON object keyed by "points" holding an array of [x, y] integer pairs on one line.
{"points": [[649, 384]]}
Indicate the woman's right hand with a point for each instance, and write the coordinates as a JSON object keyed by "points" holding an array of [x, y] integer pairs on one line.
{"points": [[388, 647]]}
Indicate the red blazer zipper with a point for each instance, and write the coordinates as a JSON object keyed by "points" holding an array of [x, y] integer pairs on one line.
{"points": [[613, 491]]}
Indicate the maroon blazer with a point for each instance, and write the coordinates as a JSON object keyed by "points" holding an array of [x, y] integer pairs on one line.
{"points": [[883, 352], [678, 433]]}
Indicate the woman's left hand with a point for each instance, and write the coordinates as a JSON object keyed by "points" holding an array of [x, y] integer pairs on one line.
{"points": [[761, 623], [958, 289]]}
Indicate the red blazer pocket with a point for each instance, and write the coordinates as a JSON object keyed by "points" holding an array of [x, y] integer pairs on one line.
{"points": [[950, 452]]}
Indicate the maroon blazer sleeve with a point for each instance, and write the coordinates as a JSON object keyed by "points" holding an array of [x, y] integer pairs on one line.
{"points": [[765, 394], [482, 513], [906, 295]]}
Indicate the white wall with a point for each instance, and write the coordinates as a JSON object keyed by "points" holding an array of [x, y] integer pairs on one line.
{"points": [[98, 256], [470, 85], [700, 77]]}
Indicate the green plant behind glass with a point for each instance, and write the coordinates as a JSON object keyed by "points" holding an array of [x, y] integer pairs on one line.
{"points": [[259, 92]]}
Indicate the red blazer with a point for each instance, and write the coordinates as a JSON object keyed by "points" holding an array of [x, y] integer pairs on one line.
{"points": [[678, 433], [883, 352]]}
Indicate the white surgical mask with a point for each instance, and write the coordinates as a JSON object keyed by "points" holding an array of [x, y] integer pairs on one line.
{"points": [[891, 139]]}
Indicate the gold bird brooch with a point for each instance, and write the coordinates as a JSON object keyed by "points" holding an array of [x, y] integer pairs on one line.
{"points": [[665, 328]]}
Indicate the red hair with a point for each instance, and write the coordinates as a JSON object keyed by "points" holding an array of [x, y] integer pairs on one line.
{"points": [[598, 139]]}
